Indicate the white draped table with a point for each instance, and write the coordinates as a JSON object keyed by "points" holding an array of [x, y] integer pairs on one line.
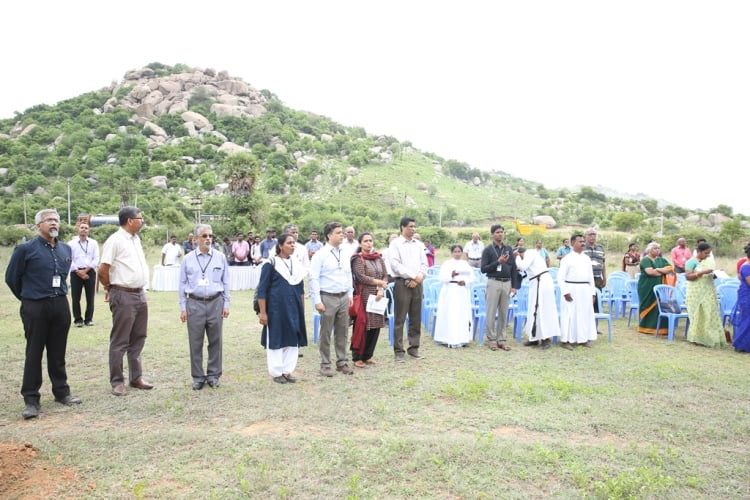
{"points": [[167, 278]]}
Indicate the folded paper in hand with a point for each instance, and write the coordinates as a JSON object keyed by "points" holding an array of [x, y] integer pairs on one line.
{"points": [[376, 306]]}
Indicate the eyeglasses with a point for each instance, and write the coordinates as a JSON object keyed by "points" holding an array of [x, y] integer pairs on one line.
{"points": [[206, 236], [137, 218], [50, 220]]}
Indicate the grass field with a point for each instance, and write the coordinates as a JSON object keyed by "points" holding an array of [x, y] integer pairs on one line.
{"points": [[637, 418]]}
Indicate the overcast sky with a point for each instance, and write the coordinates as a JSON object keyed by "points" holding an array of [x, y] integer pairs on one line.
{"points": [[639, 96]]}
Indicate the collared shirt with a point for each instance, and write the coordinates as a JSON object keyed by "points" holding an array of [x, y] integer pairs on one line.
{"points": [[349, 248], [197, 266], [85, 254], [171, 252], [313, 246], [680, 256], [300, 254], [596, 254], [474, 250], [240, 250], [493, 269], [33, 269], [407, 258], [563, 251], [124, 254], [330, 271], [575, 270]]}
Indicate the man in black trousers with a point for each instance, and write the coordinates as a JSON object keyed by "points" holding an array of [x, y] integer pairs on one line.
{"points": [[37, 274]]}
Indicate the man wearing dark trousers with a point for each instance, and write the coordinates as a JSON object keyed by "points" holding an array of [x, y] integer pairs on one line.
{"points": [[408, 264], [83, 274], [37, 274]]}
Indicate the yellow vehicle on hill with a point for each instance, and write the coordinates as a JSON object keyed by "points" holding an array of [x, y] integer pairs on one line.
{"points": [[526, 229]]}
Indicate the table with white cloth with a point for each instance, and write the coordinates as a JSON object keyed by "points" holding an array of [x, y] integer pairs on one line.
{"points": [[167, 278]]}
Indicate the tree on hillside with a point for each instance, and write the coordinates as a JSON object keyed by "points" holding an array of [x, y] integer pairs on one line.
{"points": [[731, 231], [242, 172], [627, 221]]}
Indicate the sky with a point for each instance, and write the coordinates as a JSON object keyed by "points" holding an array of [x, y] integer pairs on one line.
{"points": [[647, 97]]}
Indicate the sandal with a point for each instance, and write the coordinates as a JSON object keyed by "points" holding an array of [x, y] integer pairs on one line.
{"points": [[360, 364], [504, 346], [371, 362], [493, 346]]}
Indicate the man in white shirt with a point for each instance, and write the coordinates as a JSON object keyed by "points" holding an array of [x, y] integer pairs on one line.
{"points": [[473, 251], [85, 256], [332, 291], [171, 252], [350, 243], [408, 264], [300, 252]]}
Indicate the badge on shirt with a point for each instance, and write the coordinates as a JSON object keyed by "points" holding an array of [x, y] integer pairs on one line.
{"points": [[56, 281], [203, 282], [499, 267]]}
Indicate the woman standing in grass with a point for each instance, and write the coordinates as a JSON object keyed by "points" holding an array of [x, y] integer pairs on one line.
{"points": [[281, 297], [653, 269], [453, 323], [370, 278], [702, 302], [741, 315]]}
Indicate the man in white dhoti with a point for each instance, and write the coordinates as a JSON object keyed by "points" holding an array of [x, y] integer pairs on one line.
{"points": [[453, 324], [576, 280], [542, 321]]}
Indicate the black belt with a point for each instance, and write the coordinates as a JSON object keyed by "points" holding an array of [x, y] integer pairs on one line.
{"points": [[203, 299], [577, 282], [338, 294], [499, 279], [478, 258], [126, 289]]}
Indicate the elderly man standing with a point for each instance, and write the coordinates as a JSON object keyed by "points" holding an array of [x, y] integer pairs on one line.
{"points": [[350, 243], [331, 290], [83, 274], [37, 274], [680, 255], [576, 280], [204, 303], [124, 274], [473, 249], [408, 264], [503, 279], [595, 252]]}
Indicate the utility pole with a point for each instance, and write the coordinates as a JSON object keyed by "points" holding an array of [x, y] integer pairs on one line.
{"points": [[68, 200]]}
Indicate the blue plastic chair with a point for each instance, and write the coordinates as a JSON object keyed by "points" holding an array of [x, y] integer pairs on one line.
{"points": [[602, 315], [479, 307], [521, 311], [665, 293], [618, 293], [634, 300], [727, 293]]}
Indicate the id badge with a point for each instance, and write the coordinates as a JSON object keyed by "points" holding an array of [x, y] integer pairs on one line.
{"points": [[56, 281], [203, 282], [499, 267]]}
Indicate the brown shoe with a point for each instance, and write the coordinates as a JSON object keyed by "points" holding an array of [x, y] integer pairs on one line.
{"points": [[493, 346], [566, 346], [119, 390], [345, 370], [327, 372], [141, 384]]}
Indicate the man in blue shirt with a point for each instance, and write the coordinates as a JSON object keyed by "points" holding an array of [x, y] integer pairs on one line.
{"points": [[268, 245], [204, 303], [36, 274]]}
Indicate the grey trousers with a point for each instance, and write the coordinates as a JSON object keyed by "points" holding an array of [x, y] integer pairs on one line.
{"points": [[336, 318], [128, 335], [407, 301], [498, 301], [204, 319]]}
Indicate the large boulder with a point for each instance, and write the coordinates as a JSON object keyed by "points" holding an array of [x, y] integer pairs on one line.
{"points": [[717, 219], [200, 121], [232, 148], [547, 220], [159, 182]]}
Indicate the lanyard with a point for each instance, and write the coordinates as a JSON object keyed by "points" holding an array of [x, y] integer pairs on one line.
{"points": [[203, 268]]}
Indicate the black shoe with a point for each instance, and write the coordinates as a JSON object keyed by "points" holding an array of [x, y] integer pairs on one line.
{"points": [[69, 400], [79, 324], [31, 411], [197, 386], [280, 379], [400, 358], [416, 355], [213, 383], [545, 344], [289, 378], [89, 323], [531, 343], [300, 355]]}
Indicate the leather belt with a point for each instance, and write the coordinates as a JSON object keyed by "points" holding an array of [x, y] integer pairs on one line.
{"points": [[500, 279], [577, 282], [203, 299], [126, 289], [478, 258], [339, 294]]}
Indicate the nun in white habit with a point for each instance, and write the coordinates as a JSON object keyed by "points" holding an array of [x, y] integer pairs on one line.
{"points": [[453, 323]]}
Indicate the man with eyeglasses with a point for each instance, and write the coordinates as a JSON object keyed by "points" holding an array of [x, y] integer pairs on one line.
{"points": [[124, 274], [331, 290], [37, 274], [204, 303]]}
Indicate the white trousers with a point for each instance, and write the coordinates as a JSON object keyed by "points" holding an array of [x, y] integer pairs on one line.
{"points": [[282, 360]]}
